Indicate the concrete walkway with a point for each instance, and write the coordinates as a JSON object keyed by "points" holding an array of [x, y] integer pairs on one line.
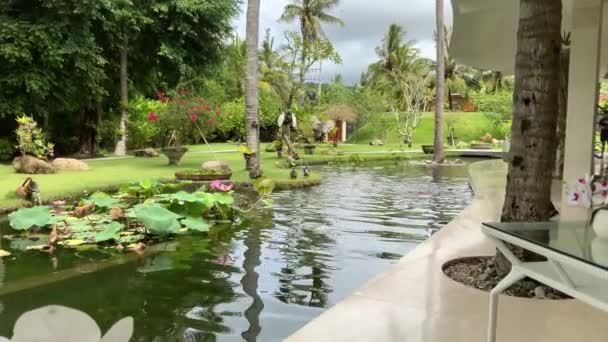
{"points": [[415, 301]]}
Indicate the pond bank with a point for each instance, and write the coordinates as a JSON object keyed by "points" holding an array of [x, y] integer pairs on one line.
{"points": [[415, 301], [109, 174]]}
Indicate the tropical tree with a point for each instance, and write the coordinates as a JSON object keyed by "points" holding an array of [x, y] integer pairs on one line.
{"points": [[311, 14], [393, 54], [439, 154], [252, 157], [535, 104]]}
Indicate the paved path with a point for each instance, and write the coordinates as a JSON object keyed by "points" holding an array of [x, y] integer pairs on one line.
{"points": [[416, 302]]}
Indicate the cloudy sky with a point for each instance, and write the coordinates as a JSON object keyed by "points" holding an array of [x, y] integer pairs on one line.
{"points": [[366, 23]]}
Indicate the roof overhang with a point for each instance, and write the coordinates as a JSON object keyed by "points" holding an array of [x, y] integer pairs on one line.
{"points": [[485, 32]]}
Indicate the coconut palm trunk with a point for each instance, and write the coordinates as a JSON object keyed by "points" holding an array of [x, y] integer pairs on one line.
{"points": [[535, 107], [564, 67], [121, 145], [439, 154], [252, 122]]}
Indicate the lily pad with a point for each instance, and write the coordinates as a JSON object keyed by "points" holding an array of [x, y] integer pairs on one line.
{"points": [[196, 223], [4, 253], [72, 242], [103, 200], [79, 226], [157, 219], [23, 244], [129, 239], [109, 232], [26, 218], [224, 198]]}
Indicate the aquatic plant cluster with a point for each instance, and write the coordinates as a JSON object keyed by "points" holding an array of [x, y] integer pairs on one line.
{"points": [[140, 213]]}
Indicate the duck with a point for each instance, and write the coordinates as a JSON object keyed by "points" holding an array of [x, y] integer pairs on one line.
{"points": [[306, 170], [293, 174]]}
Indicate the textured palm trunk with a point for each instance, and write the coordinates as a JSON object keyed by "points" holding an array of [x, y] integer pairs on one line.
{"points": [[535, 106], [439, 154], [251, 89], [121, 145], [564, 67]]}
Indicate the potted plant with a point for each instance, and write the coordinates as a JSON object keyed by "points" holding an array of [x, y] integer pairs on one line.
{"points": [[428, 149], [181, 120]]}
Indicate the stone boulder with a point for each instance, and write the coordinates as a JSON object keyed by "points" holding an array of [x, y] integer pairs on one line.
{"points": [[32, 165], [68, 164], [376, 142], [218, 165], [146, 152]]}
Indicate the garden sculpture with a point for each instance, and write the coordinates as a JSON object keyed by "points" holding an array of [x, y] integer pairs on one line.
{"points": [[287, 122], [293, 174], [306, 170], [30, 191]]}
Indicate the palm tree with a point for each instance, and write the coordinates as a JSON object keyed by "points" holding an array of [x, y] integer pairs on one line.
{"points": [[535, 104], [311, 14], [395, 55], [251, 90], [439, 154]]}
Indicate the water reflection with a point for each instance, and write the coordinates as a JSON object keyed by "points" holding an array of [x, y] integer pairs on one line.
{"points": [[270, 274]]}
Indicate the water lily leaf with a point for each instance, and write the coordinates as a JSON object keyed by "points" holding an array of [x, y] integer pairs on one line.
{"points": [[24, 244], [263, 186], [72, 242], [58, 219], [157, 219], [103, 200], [129, 239], [4, 253], [196, 223], [224, 198], [80, 226], [26, 218], [109, 231]]}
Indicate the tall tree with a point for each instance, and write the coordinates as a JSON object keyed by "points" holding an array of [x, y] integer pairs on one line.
{"points": [[535, 104], [439, 155], [252, 89], [310, 14]]}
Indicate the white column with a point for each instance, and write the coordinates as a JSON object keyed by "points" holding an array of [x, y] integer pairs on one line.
{"points": [[344, 127], [583, 90]]}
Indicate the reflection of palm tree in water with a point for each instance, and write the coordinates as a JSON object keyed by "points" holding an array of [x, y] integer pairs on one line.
{"points": [[250, 282]]}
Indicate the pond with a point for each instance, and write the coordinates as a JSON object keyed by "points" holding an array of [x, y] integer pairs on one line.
{"points": [[261, 279]]}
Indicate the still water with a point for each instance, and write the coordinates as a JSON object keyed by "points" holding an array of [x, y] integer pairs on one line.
{"points": [[262, 279]]}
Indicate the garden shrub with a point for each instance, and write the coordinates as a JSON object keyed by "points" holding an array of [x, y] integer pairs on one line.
{"points": [[498, 107], [141, 132], [7, 149], [31, 139]]}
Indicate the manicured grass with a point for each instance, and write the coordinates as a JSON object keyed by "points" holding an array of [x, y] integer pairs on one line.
{"points": [[109, 173], [468, 127]]}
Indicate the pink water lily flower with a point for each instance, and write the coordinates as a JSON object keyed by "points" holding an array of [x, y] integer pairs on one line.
{"points": [[219, 186]]}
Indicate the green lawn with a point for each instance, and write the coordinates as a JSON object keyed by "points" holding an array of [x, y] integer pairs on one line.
{"points": [[468, 127], [108, 173]]}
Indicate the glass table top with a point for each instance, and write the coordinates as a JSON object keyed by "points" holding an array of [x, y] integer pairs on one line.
{"points": [[574, 239]]}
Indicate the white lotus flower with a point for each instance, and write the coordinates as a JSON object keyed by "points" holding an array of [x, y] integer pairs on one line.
{"points": [[56, 323]]}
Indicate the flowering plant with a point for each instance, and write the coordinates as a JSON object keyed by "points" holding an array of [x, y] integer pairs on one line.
{"points": [[184, 117], [217, 185], [588, 192]]}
